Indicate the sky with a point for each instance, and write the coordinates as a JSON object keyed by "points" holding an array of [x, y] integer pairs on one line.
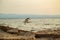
{"points": [[37, 7]]}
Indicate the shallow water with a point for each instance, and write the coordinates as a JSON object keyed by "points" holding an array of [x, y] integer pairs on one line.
{"points": [[35, 24]]}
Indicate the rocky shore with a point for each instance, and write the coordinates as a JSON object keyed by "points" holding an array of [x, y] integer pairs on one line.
{"points": [[8, 33]]}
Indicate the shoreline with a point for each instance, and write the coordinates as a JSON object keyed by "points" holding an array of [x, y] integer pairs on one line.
{"points": [[14, 33]]}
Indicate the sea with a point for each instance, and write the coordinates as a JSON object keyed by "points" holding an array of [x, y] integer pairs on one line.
{"points": [[34, 25]]}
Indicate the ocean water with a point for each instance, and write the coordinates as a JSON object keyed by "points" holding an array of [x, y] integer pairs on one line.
{"points": [[35, 24]]}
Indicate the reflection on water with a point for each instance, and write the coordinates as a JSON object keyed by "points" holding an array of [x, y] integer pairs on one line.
{"points": [[36, 24]]}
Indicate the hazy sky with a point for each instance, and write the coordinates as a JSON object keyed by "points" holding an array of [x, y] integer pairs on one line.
{"points": [[50, 7]]}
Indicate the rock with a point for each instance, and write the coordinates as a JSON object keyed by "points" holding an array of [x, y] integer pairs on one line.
{"points": [[13, 31]]}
